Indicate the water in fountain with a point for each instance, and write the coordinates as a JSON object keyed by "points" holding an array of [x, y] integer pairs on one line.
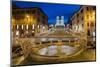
{"points": [[53, 50]]}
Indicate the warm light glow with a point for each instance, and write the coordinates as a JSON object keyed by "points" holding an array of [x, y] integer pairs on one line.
{"points": [[93, 33], [27, 32], [90, 18], [93, 17], [32, 31], [17, 32], [33, 26], [93, 13], [93, 39], [27, 16], [13, 20], [22, 27], [43, 27], [38, 26], [17, 26], [27, 27], [76, 27]]}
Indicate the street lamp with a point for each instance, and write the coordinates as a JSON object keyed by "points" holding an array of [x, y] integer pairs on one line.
{"points": [[27, 16]]}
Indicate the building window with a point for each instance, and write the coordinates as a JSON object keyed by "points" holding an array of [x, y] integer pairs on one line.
{"points": [[43, 17], [88, 24], [94, 8], [33, 11], [21, 12], [81, 11], [33, 26], [87, 8], [82, 25], [27, 26], [17, 27], [17, 12], [30, 27], [38, 26], [82, 18], [73, 18], [43, 21], [78, 21], [26, 32], [13, 12], [17, 33], [87, 16], [27, 11], [13, 27], [92, 24], [22, 32], [88, 33], [38, 12], [22, 27], [77, 15], [38, 20], [93, 33]]}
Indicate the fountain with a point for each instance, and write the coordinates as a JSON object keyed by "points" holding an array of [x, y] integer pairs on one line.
{"points": [[48, 50], [57, 50]]}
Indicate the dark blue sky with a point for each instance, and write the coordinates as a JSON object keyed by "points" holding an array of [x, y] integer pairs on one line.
{"points": [[52, 9]]}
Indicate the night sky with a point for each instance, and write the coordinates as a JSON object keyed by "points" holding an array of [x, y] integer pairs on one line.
{"points": [[52, 9]]}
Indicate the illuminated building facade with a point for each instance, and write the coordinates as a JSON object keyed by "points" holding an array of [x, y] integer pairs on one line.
{"points": [[84, 21], [26, 22]]}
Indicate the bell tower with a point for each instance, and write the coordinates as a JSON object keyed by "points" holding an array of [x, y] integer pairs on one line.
{"points": [[60, 21]]}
